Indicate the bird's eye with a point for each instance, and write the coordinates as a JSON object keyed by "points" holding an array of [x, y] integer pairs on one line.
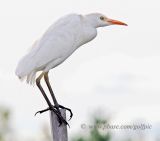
{"points": [[102, 18]]}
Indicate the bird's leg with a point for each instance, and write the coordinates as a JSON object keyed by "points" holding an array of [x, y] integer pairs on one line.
{"points": [[51, 107], [41, 89], [57, 106]]}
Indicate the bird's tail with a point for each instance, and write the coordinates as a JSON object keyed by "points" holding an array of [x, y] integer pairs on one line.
{"points": [[31, 77], [25, 70]]}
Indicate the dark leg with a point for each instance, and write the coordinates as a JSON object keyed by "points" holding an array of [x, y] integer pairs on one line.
{"points": [[51, 107], [57, 106], [41, 89]]}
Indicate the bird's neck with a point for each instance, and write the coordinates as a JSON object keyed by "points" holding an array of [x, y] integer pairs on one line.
{"points": [[90, 19]]}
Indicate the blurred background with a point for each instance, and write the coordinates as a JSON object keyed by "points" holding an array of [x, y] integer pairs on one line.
{"points": [[113, 79]]}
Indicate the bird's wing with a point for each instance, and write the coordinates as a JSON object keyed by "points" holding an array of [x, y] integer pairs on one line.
{"points": [[58, 41]]}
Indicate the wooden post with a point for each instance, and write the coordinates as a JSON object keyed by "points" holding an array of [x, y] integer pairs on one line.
{"points": [[59, 133]]}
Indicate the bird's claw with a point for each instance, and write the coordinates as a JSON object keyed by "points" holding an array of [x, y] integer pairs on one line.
{"points": [[56, 110], [41, 111], [70, 111]]}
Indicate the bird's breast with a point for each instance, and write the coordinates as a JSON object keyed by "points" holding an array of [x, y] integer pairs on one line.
{"points": [[86, 35]]}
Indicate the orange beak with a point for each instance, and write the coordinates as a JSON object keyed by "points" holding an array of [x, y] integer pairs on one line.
{"points": [[115, 22]]}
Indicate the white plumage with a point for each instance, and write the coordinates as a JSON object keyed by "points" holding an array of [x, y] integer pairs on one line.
{"points": [[59, 42]]}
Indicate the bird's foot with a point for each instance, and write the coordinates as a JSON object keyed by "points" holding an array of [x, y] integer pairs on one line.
{"points": [[56, 110], [68, 109]]}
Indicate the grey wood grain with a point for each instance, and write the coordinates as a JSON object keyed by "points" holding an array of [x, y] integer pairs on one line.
{"points": [[59, 133]]}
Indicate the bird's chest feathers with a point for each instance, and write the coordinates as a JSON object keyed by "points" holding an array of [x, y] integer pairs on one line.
{"points": [[87, 34]]}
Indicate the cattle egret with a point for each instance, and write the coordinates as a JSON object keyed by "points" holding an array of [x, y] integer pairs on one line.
{"points": [[55, 46]]}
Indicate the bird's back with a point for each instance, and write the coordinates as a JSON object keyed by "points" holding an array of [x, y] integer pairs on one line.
{"points": [[57, 43]]}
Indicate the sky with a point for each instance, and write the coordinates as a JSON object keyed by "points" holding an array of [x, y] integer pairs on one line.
{"points": [[118, 71]]}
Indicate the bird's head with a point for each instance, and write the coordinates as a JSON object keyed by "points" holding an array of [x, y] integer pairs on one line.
{"points": [[99, 20]]}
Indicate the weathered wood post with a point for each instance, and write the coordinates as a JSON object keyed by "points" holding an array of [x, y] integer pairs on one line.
{"points": [[59, 133]]}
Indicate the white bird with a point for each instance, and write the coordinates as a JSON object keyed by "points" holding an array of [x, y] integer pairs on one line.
{"points": [[56, 45]]}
